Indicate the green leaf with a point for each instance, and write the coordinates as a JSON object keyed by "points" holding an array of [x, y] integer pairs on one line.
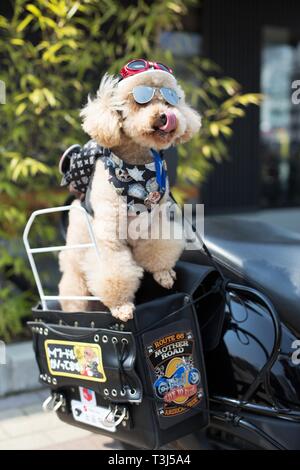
{"points": [[34, 10], [21, 26], [20, 108], [17, 42]]}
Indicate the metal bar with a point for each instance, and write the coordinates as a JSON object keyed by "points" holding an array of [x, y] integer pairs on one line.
{"points": [[70, 297], [277, 336], [282, 413], [48, 249], [31, 259]]}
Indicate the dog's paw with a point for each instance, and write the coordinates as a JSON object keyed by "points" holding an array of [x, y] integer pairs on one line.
{"points": [[165, 278], [124, 312]]}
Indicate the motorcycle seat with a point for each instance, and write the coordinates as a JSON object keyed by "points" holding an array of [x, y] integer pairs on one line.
{"points": [[261, 254]]}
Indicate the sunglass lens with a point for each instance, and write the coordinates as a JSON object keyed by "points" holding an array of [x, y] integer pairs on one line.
{"points": [[136, 65], [163, 67], [143, 94], [170, 96]]}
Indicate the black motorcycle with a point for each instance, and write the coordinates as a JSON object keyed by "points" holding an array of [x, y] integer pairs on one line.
{"points": [[254, 371], [214, 364]]}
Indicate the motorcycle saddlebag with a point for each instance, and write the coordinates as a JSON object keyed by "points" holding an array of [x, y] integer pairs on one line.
{"points": [[142, 382]]}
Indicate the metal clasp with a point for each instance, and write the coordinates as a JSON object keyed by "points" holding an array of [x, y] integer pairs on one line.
{"points": [[54, 402], [115, 416]]}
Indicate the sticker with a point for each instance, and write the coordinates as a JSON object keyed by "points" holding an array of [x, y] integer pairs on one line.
{"points": [[87, 396], [96, 416], [77, 360], [178, 381]]}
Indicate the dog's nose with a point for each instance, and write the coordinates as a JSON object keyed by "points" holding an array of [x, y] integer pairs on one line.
{"points": [[163, 119]]}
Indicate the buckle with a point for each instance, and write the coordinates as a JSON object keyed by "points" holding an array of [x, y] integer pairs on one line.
{"points": [[54, 402]]}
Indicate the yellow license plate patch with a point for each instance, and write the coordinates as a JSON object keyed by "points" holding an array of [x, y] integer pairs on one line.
{"points": [[78, 360]]}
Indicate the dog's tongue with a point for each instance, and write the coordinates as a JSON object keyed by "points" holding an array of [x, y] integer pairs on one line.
{"points": [[171, 122]]}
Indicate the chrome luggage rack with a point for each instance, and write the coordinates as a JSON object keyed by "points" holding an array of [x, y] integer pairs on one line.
{"points": [[32, 251]]}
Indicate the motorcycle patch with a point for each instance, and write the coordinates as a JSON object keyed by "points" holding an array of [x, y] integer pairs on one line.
{"points": [[77, 360], [177, 381]]}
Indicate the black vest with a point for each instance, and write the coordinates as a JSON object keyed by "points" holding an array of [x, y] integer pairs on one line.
{"points": [[139, 184]]}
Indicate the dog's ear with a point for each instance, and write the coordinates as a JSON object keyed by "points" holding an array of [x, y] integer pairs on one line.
{"points": [[192, 118], [101, 119], [193, 123]]}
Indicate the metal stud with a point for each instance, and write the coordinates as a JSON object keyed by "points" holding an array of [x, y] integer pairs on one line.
{"points": [[46, 331], [92, 324], [76, 324], [54, 381]]}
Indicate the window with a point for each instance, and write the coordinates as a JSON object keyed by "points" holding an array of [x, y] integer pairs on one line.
{"points": [[280, 119]]}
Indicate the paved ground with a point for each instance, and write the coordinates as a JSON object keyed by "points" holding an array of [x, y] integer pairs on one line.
{"points": [[23, 425]]}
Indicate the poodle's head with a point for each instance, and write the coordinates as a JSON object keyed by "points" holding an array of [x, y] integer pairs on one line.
{"points": [[116, 112]]}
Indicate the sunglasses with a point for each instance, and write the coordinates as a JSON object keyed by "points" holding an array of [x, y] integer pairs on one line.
{"points": [[141, 65], [144, 94]]}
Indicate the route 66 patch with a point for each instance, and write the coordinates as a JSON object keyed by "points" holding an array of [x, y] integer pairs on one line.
{"points": [[177, 381]]}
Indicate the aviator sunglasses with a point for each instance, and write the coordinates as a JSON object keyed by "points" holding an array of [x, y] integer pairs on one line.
{"points": [[144, 94]]}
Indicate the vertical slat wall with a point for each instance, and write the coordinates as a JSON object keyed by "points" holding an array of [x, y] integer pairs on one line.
{"points": [[232, 32], [232, 39]]}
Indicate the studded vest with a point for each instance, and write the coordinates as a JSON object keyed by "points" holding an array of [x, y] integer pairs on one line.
{"points": [[143, 186]]}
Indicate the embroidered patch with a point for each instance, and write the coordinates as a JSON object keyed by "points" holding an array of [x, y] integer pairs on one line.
{"points": [[77, 360], [178, 381]]}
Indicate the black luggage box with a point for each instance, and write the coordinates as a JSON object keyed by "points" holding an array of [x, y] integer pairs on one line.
{"points": [[142, 382]]}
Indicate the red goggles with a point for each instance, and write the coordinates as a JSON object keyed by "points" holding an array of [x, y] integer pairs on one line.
{"points": [[141, 65]]}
